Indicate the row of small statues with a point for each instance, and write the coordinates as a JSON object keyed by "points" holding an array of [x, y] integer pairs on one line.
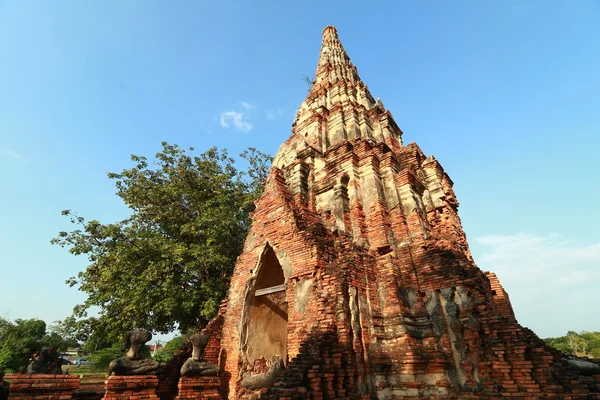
{"points": [[134, 364], [47, 361]]}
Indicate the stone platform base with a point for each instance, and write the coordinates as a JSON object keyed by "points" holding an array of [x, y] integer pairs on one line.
{"points": [[132, 387], [42, 386], [199, 388]]}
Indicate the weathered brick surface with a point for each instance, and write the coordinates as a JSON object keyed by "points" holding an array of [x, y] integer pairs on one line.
{"points": [[90, 391], [132, 387], [42, 386], [170, 380], [168, 376], [500, 296], [191, 388], [381, 297]]}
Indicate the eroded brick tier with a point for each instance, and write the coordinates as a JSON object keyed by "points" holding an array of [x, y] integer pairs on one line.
{"points": [[42, 386], [357, 272], [131, 387], [199, 388]]}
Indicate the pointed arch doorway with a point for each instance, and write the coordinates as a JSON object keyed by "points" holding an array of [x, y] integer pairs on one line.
{"points": [[267, 311]]}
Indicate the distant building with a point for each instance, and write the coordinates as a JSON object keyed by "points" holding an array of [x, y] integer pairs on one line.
{"points": [[71, 353]]}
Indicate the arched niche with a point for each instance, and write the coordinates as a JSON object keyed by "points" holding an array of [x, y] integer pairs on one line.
{"points": [[267, 312]]}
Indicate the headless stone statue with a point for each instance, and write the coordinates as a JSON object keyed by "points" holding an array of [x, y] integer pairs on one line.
{"points": [[197, 365], [45, 361], [133, 363], [265, 380]]}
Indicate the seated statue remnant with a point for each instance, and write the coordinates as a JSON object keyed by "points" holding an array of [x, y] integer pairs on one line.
{"points": [[45, 361], [133, 362], [583, 366], [264, 380], [196, 365]]}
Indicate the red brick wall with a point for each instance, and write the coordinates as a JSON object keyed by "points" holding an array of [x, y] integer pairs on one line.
{"points": [[42, 386]]}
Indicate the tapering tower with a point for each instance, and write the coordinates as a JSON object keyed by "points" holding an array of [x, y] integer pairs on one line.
{"points": [[357, 275]]}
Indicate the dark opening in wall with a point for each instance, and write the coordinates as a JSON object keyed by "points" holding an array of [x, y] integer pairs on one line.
{"points": [[268, 311]]}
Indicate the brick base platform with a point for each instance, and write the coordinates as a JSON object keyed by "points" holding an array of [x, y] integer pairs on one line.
{"points": [[202, 387], [132, 387], [42, 386]]}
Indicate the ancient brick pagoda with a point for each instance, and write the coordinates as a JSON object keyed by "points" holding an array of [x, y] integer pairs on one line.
{"points": [[356, 272]]}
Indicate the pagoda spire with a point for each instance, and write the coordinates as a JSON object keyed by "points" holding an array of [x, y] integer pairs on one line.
{"points": [[334, 64], [339, 107]]}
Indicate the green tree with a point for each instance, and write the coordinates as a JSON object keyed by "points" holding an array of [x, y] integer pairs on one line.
{"points": [[583, 344], [577, 344], [168, 264], [23, 337], [560, 344], [86, 332], [100, 359], [173, 346], [18, 341]]}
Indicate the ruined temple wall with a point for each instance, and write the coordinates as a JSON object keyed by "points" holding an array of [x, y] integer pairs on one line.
{"points": [[516, 363], [332, 361], [304, 248], [418, 276], [500, 297], [454, 338], [428, 292], [273, 222], [390, 196], [214, 330], [424, 349]]}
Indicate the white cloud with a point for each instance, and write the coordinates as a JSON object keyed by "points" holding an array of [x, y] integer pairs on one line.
{"points": [[552, 282], [234, 119], [273, 113], [247, 106], [11, 153]]}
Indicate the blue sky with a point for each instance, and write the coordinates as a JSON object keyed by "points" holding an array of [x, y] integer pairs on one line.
{"points": [[505, 94]]}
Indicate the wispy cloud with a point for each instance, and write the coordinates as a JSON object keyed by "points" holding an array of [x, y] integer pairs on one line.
{"points": [[552, 281], [11, 153], [273, 113], [238, 119], [234, 119], [247, 106]]}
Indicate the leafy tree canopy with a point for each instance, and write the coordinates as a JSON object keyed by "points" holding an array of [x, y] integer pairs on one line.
{"points": [[86, 332], [101, 359], [168, 265]]}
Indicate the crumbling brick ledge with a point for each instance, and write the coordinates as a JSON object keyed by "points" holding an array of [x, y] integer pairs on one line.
{"points": [[132, 387], [42, 386], [202, 387]]}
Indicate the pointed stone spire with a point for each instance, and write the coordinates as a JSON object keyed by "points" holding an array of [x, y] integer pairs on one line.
{"points": [[339, 107], [334, 63]]}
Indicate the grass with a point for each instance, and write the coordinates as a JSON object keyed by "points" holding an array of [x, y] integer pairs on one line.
{"points": [[88, 376]]}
